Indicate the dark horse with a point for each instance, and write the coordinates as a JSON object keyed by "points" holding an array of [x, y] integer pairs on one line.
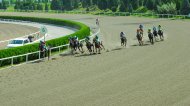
{"points": [[44, 51], [123, 41], [97, 45], [90, 47], [161, 34], [74, 45], [151, 38], [155, 33]]}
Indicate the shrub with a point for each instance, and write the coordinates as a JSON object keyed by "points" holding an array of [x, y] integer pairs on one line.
{"points": [[141, 9], [169, 8]]}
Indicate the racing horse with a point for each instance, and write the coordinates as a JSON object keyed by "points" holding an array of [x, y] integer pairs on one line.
{"points": [[161, 34], [74, 45], [151, 38], [44, 50], [139, 37], [97, 45], [123, 41], [155, 33], [90, 47]]}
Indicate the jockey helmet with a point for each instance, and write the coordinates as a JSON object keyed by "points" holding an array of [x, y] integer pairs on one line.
{"points": [[140, 26], [154, 28], [96, 37]]}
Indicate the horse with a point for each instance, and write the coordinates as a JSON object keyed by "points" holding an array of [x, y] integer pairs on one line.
{"points": [[97, 45], [123, 41], [141, 32], [80, 47], [90, 47], [161, 34], [43, 50], [139, 38], [74, 45], [155, 33], [150, 35]]}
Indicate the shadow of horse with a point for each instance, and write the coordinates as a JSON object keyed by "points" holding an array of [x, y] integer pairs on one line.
{"points": [[86, 55], [145, 44]]}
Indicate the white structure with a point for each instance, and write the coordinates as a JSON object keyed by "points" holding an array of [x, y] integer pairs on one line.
{"points": [[18, 42]]}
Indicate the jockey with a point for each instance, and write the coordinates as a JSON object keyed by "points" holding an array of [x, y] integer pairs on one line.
{"points": [[159, 27], [154, 28], [87, 39], [122, 35], [76, 38], [141, 26], [149, 30], [97, 21], [97, 38]]}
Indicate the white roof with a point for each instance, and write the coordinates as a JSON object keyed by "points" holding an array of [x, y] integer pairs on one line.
{"points": [[20, 39]]}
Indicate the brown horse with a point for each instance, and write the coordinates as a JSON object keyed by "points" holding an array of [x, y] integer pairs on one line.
{"points": [[90, 47]]}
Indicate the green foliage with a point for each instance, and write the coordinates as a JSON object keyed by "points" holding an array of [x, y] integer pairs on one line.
{"points": [[122, 7], [81, 33], [182, 6], [114, 9], [185, 8], [39, 6], [141, 9], [169, 8], [46, 7]]}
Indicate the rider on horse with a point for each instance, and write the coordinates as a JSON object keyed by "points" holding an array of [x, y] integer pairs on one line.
{"points": [[123, 38], [160, 32], [141, 29], [42, 48], [150, 35], [139, 37], [97, 21], [155, 33]]}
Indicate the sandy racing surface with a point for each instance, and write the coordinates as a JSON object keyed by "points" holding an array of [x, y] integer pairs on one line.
{"points": [[9, 31], [152, 75]]}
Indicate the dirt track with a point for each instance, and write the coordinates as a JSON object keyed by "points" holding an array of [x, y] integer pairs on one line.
{"points": [[155, 75], [9, 31]]}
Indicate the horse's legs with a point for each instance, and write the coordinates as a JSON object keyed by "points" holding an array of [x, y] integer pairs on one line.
{"points": [[102, 46], [93, 47]]}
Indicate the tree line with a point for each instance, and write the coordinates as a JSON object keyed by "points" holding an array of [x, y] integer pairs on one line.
{"points": [[139, 6]]}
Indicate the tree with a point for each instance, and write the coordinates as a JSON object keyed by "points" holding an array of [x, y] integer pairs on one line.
{"points": [[185, 8], [4, 5], [150, 4], [130, 8], [122, 7], [56, 5], [39, 6], [46, 7], [169, 8], [0, 5]]}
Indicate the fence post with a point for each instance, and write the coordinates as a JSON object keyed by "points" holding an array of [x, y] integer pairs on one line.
{"points": [[50, 52], [59, 49], [12, 61], [39, 55], [26, 58]]}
